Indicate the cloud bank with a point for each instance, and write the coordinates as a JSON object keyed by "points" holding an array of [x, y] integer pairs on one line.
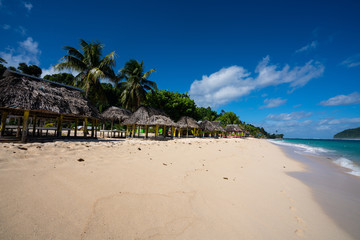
{"points": [[353, 98], [229, 84], [273, 102], [27, 51], [308, 47]]}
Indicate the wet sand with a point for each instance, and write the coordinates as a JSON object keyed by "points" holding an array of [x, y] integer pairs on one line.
{"points": [[336, 191]]}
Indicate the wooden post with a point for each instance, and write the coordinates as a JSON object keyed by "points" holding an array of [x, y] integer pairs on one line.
{"points": [[34, 125], [164, 131], [179, 133], [156, 130], [127, 131], [133, 131], [96, 126], [173, 132], [92, 127], [76, 126], [25, 126], [59, 125], [112, 126], [18, 127], [187, 132], [146, 131], [85, 127], [3, 123], [139, 129]]}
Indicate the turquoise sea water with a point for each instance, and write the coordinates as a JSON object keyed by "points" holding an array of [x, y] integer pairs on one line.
{"points": [[345, 153]]}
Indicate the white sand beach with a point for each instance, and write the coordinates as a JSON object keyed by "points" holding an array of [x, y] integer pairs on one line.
{"points": [[135, 189]]}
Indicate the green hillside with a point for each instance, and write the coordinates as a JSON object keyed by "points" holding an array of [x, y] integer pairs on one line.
{"points": [[349, 133]]}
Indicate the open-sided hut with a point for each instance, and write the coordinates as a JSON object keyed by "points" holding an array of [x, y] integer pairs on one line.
{"points": [[218, 127], [24, 96], [233, 129], [207, 127], [141, 117], [187, 123], [115, 114]]}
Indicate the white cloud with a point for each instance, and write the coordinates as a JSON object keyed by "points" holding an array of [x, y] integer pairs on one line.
{"points": [[353, 98], [5, 26], [229, 84], [310, 46], [28, 52], [51, 71], [289, 116], [352, 61], [28, 6], [273, 102], [344, 121], [21, 30]]}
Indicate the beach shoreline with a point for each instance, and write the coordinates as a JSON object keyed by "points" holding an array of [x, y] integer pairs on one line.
{"points": [[177, 189], [335, 189]]}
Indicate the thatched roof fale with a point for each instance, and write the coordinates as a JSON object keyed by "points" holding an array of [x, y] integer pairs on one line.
{"points": [[23, 92], [187, 122], [161, 121], [142, 115], [217, 126], [233, 128], [116, 113], [207, 126]]}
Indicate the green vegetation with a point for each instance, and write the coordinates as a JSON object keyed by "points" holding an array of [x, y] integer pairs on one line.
{"points": [[174, 104], [130, 88], [91, 67], [65, 78], [136, 84], [349, 133]]}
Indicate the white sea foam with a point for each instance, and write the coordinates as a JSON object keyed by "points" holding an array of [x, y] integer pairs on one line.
{"points": [[346, 163], [302, 148]]}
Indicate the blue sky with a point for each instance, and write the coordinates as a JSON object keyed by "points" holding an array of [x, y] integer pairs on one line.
{"points": [[288, 66]]}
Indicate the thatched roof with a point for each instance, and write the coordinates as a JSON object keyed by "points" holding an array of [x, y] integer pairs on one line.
{"points": [[207, 126], [116, 113], [233, 128], [161, 121], [187, 122], [217, 126], [142, 115], [24, 92]]}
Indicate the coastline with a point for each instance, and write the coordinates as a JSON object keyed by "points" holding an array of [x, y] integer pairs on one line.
{"points": [[335, 189], [178, 189]]}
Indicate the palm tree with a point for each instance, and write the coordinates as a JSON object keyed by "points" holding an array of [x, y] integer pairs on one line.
{"points": [[135, 85], [90, 65]]}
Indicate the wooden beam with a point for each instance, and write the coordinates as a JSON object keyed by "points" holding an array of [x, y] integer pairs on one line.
{"points": [[92, 128], [146, 131], [133, 131], [3, 123], [59, 125], [25, 126], [34, 125], [18, 127], [76, 126], [85, 127], [156, 130], [96, 126]]}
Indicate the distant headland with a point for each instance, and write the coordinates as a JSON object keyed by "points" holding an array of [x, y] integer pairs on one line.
{"points": [[349, 133]]}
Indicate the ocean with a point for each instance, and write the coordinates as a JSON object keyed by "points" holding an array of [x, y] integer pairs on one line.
{"points": [[345, 153]]}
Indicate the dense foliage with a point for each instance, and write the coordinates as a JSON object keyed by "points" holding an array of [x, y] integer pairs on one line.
{"points": [[174, 104], [349, 133], [65, 78], [135, 85]]}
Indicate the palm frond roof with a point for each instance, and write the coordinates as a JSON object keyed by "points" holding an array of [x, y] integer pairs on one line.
{"points": [[187, 122]]}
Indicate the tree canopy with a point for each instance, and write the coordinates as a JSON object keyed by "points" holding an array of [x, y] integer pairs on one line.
{"points": [[174, 104], [135, 84]]}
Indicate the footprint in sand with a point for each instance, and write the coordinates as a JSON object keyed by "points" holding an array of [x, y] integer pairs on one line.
{"points": [[115, 217], [299, 232]]}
